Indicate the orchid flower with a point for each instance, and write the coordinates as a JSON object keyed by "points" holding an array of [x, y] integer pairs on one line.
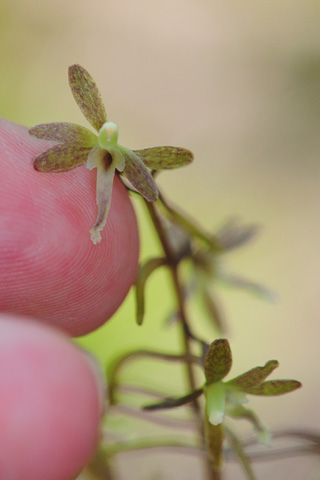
{"points": [[227, 398], [78, 146]]}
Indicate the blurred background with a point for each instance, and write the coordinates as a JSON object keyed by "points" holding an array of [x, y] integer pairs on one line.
{"points": [[238, 83]]}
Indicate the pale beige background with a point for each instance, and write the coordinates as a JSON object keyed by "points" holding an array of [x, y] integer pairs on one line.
{"points": [[239, 84]]}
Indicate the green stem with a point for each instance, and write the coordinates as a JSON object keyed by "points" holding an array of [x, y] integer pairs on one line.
{"points": [[114, 372], [169, 422], [169, 445], [99, 467], [237, 447], [186, 338]]}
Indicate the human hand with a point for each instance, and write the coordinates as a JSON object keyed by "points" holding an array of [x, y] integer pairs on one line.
{"points": [[49, 267]]}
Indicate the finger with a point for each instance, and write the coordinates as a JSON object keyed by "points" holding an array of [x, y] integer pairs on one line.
{"points": [[50, 407], [49, 267]]}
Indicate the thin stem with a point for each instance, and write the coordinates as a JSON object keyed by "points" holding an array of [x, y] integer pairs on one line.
{"points": [[154, 418], [311, 446], [128, 388], [99, 467], [178, 289], [311, 436], [172, 446], [244, 459], [114, 372], [186, 336]]}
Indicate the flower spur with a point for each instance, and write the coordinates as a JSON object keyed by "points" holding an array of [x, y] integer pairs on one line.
{"points": [[78, 145]]}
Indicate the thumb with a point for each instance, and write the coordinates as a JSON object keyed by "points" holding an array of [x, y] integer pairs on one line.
{"points": [[49, 267]]}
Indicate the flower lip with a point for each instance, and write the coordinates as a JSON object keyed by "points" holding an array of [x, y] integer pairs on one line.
{"points": [[108, 135], [215, 402]]}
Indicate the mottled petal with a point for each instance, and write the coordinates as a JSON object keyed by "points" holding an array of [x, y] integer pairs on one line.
{"points": [[87, 96], [218, 360], [102, 161], [61, 158], [254, 376], [161, 158], [139, 175], [66, 133], [274, 387]]}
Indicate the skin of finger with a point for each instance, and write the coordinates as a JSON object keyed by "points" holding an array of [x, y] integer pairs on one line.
{"points": [[50, 269], [50, 407]]}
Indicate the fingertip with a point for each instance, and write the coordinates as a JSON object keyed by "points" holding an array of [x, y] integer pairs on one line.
{"points": [[50, 407], [50, 268]]}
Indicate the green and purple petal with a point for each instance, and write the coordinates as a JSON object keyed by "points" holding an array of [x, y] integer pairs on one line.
{"points": [[218, 360], [161, 158], [66, 133], [274, 387], [139, 176], [87, 96], [61, 158], [254, 376]]}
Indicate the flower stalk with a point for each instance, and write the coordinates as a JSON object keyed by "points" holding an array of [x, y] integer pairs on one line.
{"points": [[186, 339]]}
